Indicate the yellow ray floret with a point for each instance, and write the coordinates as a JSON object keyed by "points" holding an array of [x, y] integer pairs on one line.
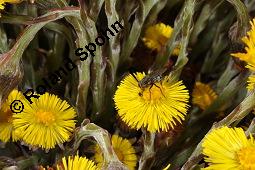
{"points": [[249, 55], [167, 167], [77, 163], [46, 122], [124, 150], [156, 37], [251, 78], [155, 108], [7, 131], [203, 95], [2, 2], [229, 148]]}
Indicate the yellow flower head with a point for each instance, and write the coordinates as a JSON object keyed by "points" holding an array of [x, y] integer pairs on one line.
{"points": [[155, 108], [229, 148], [6, 118], [203, 95], [249, 55], [2, 2], [77, 163], [46, 122], [156, 37], [123, 149]]}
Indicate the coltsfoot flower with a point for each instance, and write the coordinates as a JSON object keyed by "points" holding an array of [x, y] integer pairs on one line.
{"points": [[156, 37], [248, 56], [46, 122], [229, 148], [203, 95], [7, 131], [77, 163], [155, 108], [124, 150]]}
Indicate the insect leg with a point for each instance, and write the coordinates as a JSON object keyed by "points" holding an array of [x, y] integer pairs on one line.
{"points": [[150, 90], [141, 93], [160, 89]]}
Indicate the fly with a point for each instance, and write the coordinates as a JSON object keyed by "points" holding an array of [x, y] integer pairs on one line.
{"points": [[151, 79]]}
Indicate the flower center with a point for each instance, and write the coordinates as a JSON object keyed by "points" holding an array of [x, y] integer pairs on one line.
{"points": [[46, 118], [246, 158], [119, 154], [153, 93]]}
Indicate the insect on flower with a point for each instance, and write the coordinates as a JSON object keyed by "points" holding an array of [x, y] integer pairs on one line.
{"points": [[151, 79]]}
